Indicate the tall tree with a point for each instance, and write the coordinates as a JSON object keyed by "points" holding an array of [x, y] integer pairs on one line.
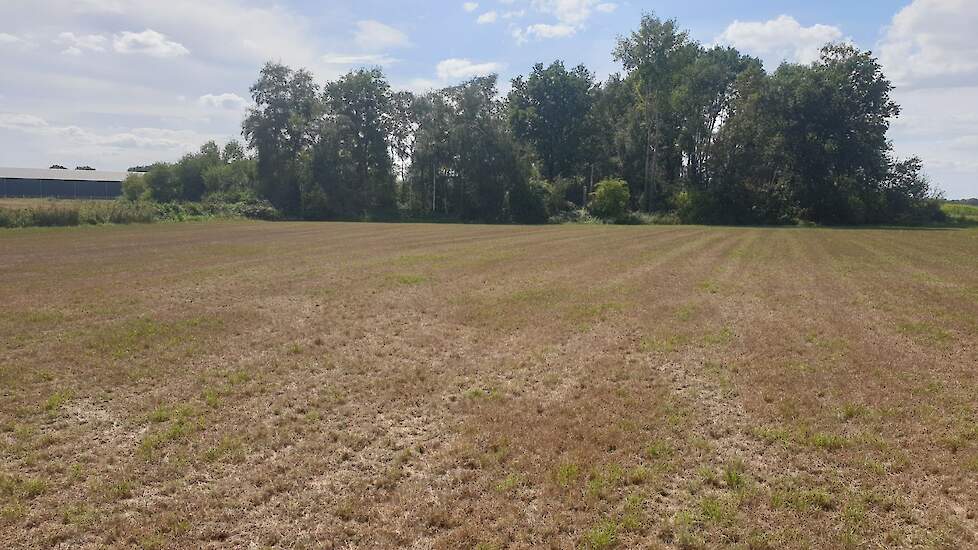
{"points": [[358, 126], [654, 57], [278, 128], [549, 110]]}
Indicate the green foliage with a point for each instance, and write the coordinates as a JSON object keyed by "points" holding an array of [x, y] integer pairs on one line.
{"points": [[548, 110], [610, 200], [134, 187], [528, 202], [123, 211]]}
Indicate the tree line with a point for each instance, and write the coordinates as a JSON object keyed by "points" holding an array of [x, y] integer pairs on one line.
{"points": [[700, 134]]}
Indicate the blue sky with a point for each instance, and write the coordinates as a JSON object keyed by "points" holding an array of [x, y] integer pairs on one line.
{"points": [[114, 83]]}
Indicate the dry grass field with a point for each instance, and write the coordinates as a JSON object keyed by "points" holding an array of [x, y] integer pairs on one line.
{"points": [[321, 385]]}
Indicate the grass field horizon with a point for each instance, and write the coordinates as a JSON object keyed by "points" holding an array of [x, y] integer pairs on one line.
{"points": [[357, 385]]}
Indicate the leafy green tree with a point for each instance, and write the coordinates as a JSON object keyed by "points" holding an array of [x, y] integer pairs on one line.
{"points": [[610, 200], [655, 57], [528, 201], [279, 129], [190, 170], [549, 110], [357, 130], [134, 187], [162, 183]]}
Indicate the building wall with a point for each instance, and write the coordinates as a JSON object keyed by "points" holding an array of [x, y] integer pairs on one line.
{"points": [[60, 189]]}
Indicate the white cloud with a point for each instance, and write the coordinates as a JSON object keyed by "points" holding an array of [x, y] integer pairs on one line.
{"points": [[780, 39], [452, 71], [542, 31], [932, 43], [930, 51], [488, 17], [141, 138], [148, 42], [375, 36], [6, 38], [459, 69], [470, 6], [21, 121], [77, 44], [571, 17], [569, 12], [228, 101]]}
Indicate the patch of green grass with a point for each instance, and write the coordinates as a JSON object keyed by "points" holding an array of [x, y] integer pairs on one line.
{"points": [[685, 313], [535, 295], [663, 344], [851, 411], [639, 475], [510, 483], [15, 487], [602, 536], [710, 287], [160, 414], [772, 435], [604, 480], [658, 449], [409, 260], [211, 397], [721, 337], [717, 510], [78, 514], [12, 512], [137, 336], [587, 312], [827, 441], [482, 393], [734, 475], [803, 500], [183, 422], [57, 400], [408, 279], [120, 490], [238, 378], [925, 332], [633, 516], [565, 474], [229, 449]]}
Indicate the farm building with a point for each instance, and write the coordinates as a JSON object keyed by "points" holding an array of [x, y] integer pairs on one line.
{"points": [[61, 184]]}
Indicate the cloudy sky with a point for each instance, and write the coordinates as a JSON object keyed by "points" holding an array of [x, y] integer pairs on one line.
{"points": [[115, 83]]}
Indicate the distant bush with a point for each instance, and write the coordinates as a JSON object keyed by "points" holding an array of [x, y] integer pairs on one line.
{"points": [[529, 202], [68, 213], [610, 200], [574, 216], [121, 212], [960, 212], [54, 215], [134, 187]]}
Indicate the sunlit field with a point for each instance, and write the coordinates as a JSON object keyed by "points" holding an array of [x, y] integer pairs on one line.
{"points": [[327, 385]]}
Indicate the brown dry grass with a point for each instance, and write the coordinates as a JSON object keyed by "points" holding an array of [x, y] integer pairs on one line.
{"points": [[365, 385]]}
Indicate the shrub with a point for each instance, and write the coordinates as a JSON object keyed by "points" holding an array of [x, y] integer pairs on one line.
{"points": [[120, 212], [134, 187], [610, 199], [528, 201], [54, 215]]}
